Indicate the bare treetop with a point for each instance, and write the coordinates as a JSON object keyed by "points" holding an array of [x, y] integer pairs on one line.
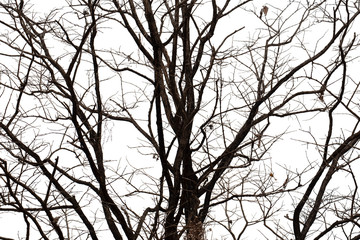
{"points": [[175, 119]]}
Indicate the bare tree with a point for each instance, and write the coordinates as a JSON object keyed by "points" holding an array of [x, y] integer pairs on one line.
{"points": [[202, 87]]}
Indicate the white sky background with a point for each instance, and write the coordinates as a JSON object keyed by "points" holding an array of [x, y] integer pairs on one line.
{"points": [[287, 152]]}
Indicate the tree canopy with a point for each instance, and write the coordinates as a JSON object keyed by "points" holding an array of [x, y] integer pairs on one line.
{"points": [[188, 119]]}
